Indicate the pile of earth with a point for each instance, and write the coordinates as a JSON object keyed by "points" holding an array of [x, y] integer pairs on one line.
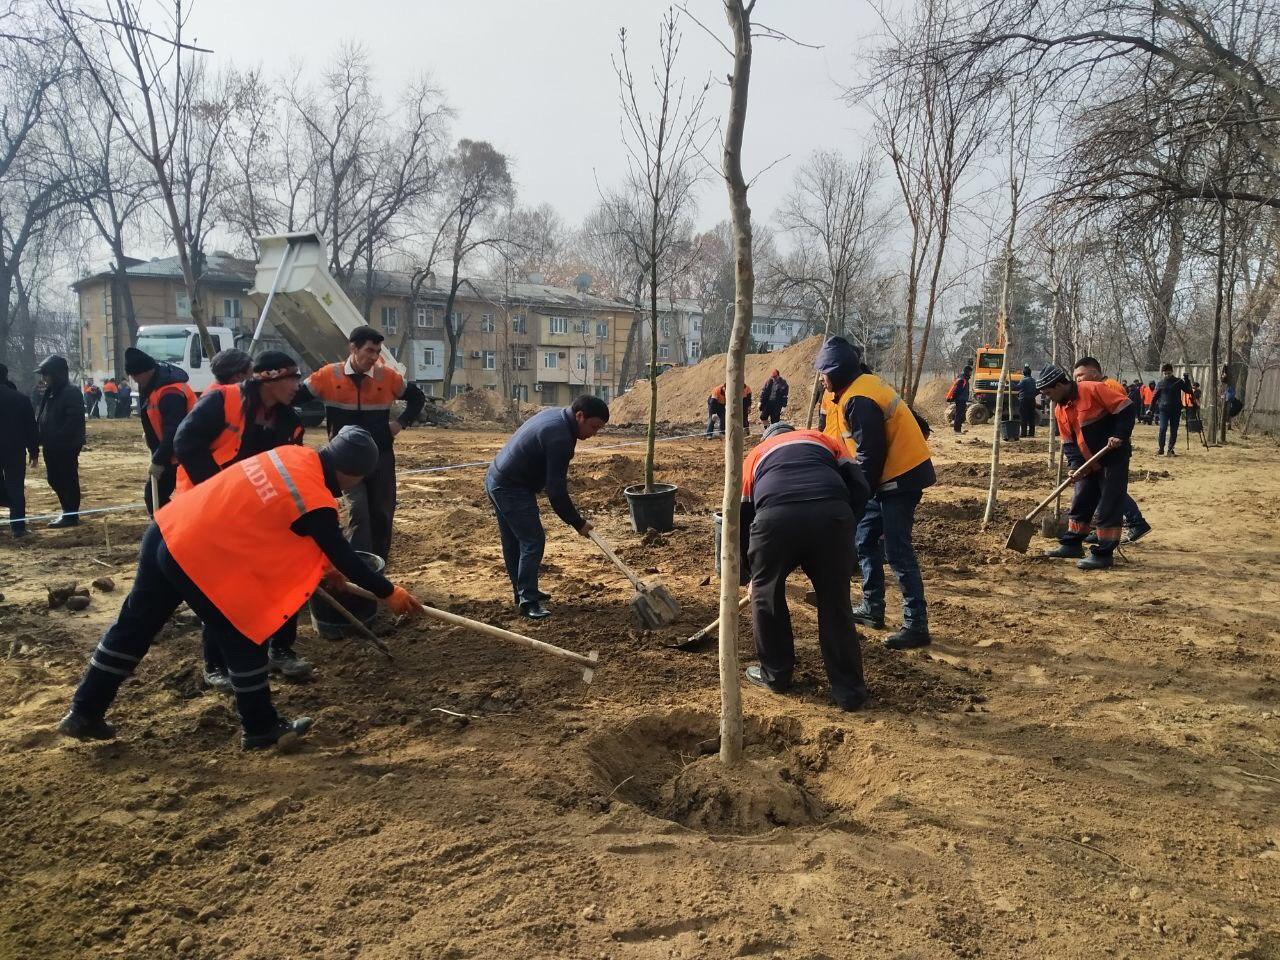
{"points": [[683, 391], [478, 407]]}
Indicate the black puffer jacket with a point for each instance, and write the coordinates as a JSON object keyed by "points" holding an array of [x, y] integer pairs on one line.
{"points": [[61, 416]]}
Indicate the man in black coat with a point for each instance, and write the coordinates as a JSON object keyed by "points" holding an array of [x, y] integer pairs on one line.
{"points": [[1168, 403], [958, 396], [19, 445], [774, 396], [61, 425]]}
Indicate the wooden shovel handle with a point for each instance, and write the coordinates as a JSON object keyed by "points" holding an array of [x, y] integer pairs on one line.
{"points": [[1067, 482], [492, 631], [605, 549], [701, 634]]}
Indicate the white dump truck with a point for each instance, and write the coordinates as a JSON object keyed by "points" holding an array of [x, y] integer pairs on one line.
{"points": [[307, 307]]}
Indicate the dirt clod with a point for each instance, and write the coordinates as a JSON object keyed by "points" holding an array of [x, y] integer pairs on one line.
{"points": [[58, 593], [751, 797], [105, 584], [78, 601]]}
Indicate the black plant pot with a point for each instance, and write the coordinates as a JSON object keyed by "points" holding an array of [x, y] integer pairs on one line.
{"points": [[329, 622], [652, 511]]}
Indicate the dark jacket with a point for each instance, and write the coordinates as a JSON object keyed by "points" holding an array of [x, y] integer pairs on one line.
{"points": [[537, 457], [61, 416], [1169, 391], [960, 391], [17, 425], [172, 407], [201, 427], [774, 395], [1027, 392]]}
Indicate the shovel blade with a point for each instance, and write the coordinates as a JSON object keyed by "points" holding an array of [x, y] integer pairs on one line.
{"points": [[1020, 536], [654, 608]]}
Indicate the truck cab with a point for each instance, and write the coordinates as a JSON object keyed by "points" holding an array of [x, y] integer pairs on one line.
{"points": [[179, 344]]}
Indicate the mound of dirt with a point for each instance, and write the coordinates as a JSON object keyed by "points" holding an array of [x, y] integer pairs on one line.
{"points": [[754, 796], [931, 399], [478, 407], [683, 391]]}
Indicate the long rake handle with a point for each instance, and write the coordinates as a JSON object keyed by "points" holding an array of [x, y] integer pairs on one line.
{"points": [[605, 549], [492, 631], [1066, 483]]}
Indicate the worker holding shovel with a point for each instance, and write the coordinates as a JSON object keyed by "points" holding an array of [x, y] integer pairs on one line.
{"points": [[1091, 416], [536, 458]]}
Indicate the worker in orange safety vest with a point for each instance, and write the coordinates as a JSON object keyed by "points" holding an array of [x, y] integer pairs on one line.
{"points": [[245, 550], [164, 399]]}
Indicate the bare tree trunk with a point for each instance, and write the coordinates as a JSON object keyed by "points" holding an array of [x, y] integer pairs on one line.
{"points": [[651, 436], [735, 363], [1002, 338], [1211, 381]]}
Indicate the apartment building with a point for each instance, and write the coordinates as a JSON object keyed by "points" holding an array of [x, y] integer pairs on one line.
{"points": [[530, 341], [776, 327]]}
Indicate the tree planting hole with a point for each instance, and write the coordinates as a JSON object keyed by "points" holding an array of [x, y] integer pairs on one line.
{"points": [[669, 766]]}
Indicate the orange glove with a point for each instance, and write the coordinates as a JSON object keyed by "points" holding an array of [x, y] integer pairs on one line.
{"points": [[403, 603]]}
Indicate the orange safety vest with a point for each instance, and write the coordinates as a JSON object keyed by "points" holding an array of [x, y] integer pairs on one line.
{"points": [[904, 440], [150, 407], [761, 451], [377, 390], [227, 444], [1188, 400], [109, 387], [231, 536], [718, 394], [1094, 400], [1147, 394]]}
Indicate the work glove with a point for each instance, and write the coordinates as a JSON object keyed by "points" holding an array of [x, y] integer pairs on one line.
{"points": [[157, 470], [585, 529], [403, 603]]}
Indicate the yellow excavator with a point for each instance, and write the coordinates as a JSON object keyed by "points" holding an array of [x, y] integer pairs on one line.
{"points": [[985, 381]]}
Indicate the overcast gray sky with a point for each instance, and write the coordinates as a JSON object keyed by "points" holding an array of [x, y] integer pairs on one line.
{"points": [[534, 76]]}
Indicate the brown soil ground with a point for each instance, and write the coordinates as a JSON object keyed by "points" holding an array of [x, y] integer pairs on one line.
{"points": [[1081, 766]]}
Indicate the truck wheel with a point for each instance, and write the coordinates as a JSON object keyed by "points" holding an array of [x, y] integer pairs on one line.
{"points": [[977, 414]]}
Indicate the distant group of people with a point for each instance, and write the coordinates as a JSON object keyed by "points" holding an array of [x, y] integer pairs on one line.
{"points": [[116, 393], [774, 397]]}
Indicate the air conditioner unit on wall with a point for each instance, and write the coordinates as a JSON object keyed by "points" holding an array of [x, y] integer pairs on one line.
{"points": [[537, 388], [561, 354], [475, 354]]}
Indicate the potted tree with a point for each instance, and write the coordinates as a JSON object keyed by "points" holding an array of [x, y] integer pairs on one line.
{"points": [[664, 162]]}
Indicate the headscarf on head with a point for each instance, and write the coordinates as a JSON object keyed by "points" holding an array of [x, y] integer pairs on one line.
{"points": [[274, 365]]}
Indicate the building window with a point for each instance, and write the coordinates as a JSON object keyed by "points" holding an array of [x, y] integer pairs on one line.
{"points": [[602, 364], [697, 325], [422, 317], [456, 320], [582, 361], [88, 352], [762, 329], [390, 319], [518, 324], [490, 360], [550, 360], [428, 356], [429, 389], [664, 352], [457, 389], [231, 309], [664, 325], [520, 358], [602, 329], [603, 393], [486, 323], [695, 349], [559, 325]]}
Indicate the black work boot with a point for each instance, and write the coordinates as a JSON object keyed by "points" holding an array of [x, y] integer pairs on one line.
{"points": [[283, 734], [852, 700], [85, 728], [1096, 561], [1069, 550], [215, 678], [908, 638], [1137, 531], [288, 664], [534, 610], [65, 521], [864, 615]]}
